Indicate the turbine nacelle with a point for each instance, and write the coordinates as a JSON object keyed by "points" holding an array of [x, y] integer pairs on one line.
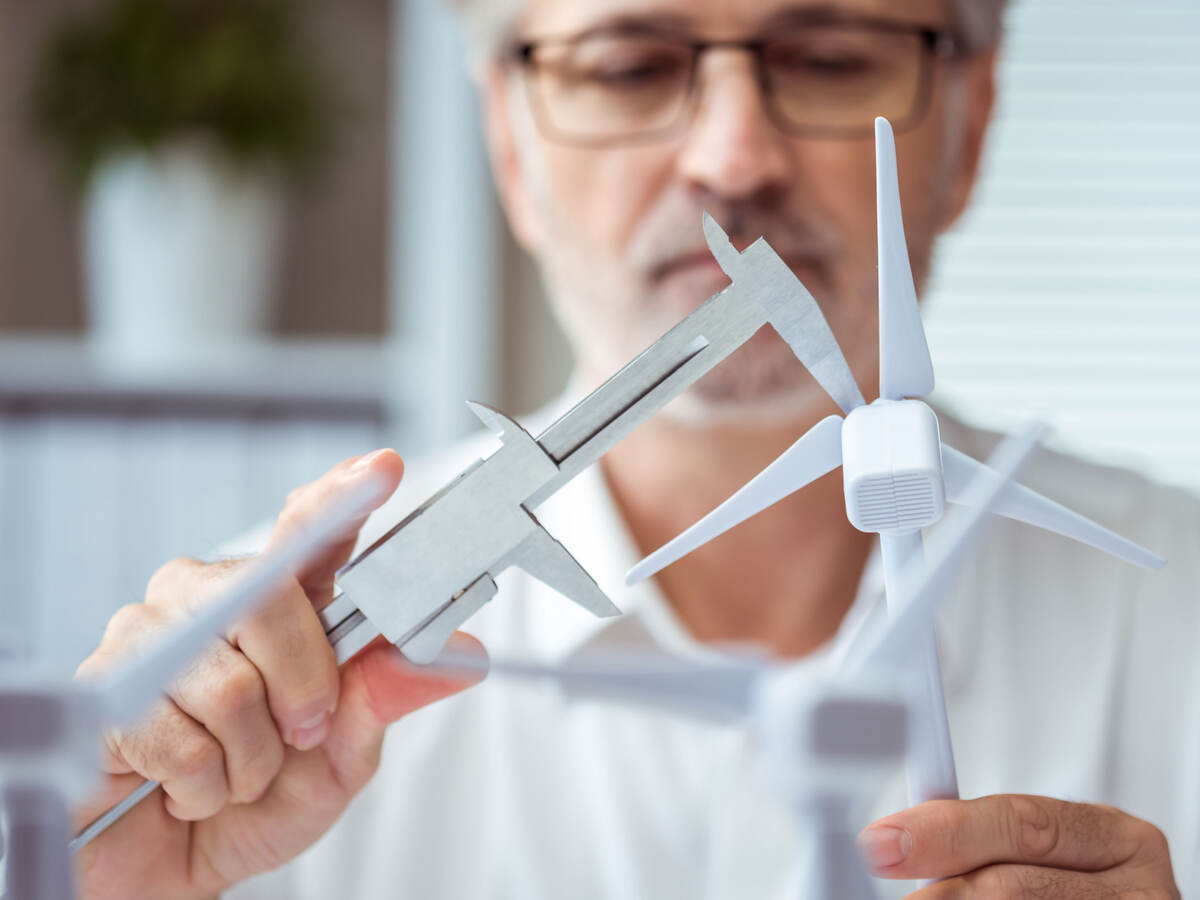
{"points": [[892, 467], [849, 734], [49, 735]]}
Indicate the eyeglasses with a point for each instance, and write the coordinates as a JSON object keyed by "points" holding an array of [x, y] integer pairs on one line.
{"points": [[823, 79]]}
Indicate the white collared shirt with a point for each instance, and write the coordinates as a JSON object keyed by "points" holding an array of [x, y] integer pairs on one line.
{"points": [[1067, 674]]}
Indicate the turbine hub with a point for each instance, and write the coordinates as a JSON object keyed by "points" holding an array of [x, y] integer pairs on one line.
{"points": [[892, 465]]}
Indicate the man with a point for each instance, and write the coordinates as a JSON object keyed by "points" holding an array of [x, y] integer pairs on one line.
{"points": [[612, 125]]}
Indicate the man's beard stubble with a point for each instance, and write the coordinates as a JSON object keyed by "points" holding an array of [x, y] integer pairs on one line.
{"points": [[611, 310]]}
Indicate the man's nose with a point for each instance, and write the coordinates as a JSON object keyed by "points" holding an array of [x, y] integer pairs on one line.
{"points": [[733, 149]]}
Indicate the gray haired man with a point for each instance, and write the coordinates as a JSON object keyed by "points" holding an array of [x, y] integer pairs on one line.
{"points": [[612, 125]]}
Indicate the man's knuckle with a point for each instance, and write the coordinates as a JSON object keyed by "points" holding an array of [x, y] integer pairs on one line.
{"points": [[297, 496], [305, 670], [125, 630], [136, 746], [1034, 832], [296, 508], [198, 805], [1154, 859], [312, 697], [1125, 837], [269, 758], [239, 690], [1152, 839], [290, 639], [195, 758], [265, 762], [91, 666], [128, 621], [168, 579], [277, 617]]}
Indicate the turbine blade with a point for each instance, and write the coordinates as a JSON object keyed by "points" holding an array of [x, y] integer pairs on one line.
{"points": [[722, 691], [894, 641], [1024, 505], [905, 368], [131, 689], [816, 453]]}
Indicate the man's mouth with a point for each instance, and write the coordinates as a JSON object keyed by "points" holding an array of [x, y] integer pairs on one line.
{"points": [[698, 262], [701, 266]]}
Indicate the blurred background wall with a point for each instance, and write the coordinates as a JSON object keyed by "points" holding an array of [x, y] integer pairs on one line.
{"points": [[1072, 288], [1069, 291], [334, 269]]}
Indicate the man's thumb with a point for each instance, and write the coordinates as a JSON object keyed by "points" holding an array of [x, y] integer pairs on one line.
{"points": [[380, 686]]}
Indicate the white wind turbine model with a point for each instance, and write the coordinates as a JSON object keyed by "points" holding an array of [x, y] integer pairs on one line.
{"points": [[827, 742], [50, 728], [897, 473]]}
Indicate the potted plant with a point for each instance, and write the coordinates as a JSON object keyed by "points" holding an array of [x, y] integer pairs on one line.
{"points": [[179, 122]]}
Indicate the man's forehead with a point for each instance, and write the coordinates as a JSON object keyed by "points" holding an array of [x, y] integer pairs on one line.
{"points": [[714, 18]]}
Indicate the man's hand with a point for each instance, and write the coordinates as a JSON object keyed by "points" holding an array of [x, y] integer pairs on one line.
{"points": [[263, 741], [1021, 846]]}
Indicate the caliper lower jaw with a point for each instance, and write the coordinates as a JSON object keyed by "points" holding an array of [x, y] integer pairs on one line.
{"points": [[426, 642], [382, 606]]}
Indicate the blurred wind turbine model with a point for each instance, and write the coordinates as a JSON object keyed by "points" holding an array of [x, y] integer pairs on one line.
{"points": [[50, 728], [898, 475], [828, 742]]}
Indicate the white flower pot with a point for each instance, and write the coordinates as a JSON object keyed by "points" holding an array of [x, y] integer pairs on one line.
{"points": [[181, 254]]}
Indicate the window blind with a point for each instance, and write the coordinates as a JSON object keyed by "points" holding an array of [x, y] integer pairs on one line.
{"points": [[1071, 290]]}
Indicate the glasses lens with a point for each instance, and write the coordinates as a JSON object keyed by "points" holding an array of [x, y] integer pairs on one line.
{"points": [[839, 78], [604, 88]]}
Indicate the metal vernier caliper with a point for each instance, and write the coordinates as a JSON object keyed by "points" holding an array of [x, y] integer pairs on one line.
{"points": [[437, 567]]}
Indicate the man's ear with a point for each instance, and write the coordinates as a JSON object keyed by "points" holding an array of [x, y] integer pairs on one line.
{"points": [[511, 183], [979, 81]]}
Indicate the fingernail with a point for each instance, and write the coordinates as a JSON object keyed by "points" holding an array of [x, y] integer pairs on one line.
{"points": [[310, 734], [885, 846]]}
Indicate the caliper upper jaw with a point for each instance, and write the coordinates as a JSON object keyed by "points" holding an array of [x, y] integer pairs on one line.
{"points": [[506, 428]]}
